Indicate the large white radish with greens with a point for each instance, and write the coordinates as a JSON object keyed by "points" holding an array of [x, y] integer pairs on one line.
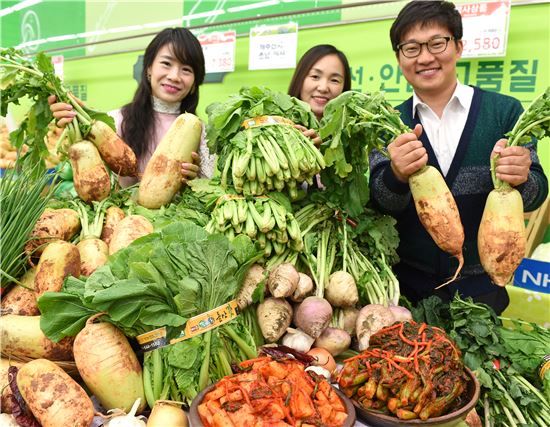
{"points": [[90, 176], [501, 237], [108, 365], [162, 177], [114, 151], [53, 397], [94, 252]]}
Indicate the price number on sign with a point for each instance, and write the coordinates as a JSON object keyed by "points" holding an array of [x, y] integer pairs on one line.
{"points": [[482, 43]]}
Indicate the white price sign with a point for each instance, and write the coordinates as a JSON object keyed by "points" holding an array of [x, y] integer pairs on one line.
{"points": [[273, 47], [58, 61], [485, 28], [219, 51]]}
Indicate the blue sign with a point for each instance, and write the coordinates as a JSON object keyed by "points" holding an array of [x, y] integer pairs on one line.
{"points": [[533, 275]]}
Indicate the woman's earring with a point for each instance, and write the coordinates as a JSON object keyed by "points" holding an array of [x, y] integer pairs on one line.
{"points": [[149, 78]]}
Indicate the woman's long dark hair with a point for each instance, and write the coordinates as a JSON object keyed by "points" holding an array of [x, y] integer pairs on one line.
{"points": [[138, 118], [308, 60]]}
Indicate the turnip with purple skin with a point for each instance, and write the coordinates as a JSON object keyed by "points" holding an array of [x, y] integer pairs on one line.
{"points": [[313, 316]]}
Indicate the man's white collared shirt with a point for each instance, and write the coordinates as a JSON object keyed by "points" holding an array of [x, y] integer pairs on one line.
{"points": [[444, 133]]}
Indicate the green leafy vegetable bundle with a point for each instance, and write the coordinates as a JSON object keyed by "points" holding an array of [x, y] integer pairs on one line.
{"points": [[163, 279], [259, 148], [353, 124], [35, 78], [505, 372]]}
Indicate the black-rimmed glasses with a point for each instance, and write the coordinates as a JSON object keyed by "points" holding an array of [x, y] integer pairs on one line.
{"points": [[435, 45]]}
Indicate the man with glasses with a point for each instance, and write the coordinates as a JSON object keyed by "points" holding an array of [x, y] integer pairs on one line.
{"points": [[457, 129]]}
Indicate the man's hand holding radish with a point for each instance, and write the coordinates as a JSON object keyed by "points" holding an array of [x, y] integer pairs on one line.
{"points": [[513, 163], [407, 154]]}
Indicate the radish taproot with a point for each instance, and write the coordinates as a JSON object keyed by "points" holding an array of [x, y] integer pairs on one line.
{"points": [[274, 317], [167, 413], [438, 213], [90, 177], [21, 299], [59, 260], [162, 177], [21, 336], [313, 315], [501, 237], [127, 230], [113, 215], [53, 397], [108, 365], [53, 224], [341, 290], [113, 150], [283, 280]]}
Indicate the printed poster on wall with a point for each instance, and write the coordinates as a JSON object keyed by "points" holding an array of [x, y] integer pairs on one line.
{"points": [[273, 47], [485, 28], [219, 51]]}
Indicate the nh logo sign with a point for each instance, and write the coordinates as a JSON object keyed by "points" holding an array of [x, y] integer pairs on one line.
{"points": [[534, 275]]}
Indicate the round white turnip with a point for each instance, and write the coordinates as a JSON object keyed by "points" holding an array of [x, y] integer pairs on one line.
{"points": [[341, 290], [370, 320], [304, 288], [283, 280], [335, 340]]}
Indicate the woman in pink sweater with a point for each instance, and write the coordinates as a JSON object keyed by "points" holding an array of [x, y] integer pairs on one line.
{"points": [[173, 70]]}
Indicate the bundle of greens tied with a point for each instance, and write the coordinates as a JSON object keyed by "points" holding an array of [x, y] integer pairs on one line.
{"points": [[354, 124], [163, 280], [259, 148]]}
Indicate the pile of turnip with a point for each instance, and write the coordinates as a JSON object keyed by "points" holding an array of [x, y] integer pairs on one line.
{"points": [[293, 314]]}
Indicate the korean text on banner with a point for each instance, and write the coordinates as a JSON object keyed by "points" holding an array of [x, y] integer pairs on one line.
{"points": [[273, 47]]}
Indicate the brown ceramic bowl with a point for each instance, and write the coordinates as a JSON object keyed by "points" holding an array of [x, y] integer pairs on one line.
{"points": [[195, 419], [377, 419]]}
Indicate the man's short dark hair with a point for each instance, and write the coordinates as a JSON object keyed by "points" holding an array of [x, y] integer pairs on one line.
{"points": [[426, 13]]}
